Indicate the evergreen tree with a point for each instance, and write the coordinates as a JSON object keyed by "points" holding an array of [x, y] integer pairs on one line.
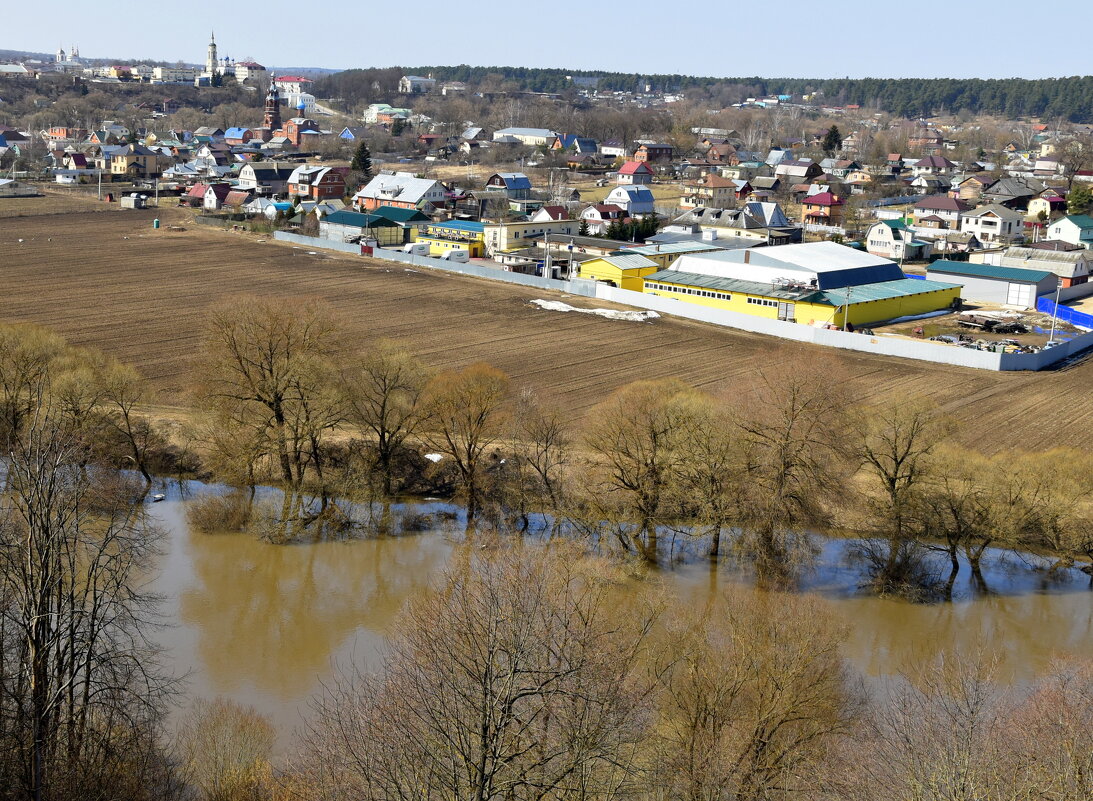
{"points": [[582, 229], [614, 230], [833, 140], [362, 161], [1079, 199], [397, 127]]}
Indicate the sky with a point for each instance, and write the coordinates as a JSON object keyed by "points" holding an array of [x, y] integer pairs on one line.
{"points": [[791, 38]]}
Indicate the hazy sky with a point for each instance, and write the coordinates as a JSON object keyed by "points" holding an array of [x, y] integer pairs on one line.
{"points": [[791, 38]]}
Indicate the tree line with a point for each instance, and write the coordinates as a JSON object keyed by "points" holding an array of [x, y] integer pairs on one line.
{"points": [[1067, 98], [532, 670], [657, 462]]}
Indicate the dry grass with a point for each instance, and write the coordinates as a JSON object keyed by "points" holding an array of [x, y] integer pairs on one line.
{"points": [[110, 281], [55, 202]]}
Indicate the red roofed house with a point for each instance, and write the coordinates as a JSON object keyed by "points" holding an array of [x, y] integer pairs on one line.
{"points": [[196, 196], [550, 214], [635, 172], [215, 195], [293, 84], [823, 208]]}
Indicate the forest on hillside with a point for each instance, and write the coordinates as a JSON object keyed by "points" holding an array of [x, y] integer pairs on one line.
{"points": [[1069, 98]]}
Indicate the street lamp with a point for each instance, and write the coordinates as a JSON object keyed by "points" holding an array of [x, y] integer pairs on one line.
{"points": [[1055, 311]]}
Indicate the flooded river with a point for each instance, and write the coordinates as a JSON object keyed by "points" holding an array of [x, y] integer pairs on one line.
{"points": [[266, 624]]}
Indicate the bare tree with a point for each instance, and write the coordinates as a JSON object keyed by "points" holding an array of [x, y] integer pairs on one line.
{"points": [[383, 395], [465, 417], [752, 694], [267, 365], [514, 680], [225, 749]]}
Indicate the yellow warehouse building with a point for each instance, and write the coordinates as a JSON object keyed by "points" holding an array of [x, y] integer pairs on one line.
{"points": [[625, 272], [813, 284]]}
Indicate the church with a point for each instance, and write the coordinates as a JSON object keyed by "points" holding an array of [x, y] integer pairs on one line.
{"points": [[297, 130], [226, 67]]}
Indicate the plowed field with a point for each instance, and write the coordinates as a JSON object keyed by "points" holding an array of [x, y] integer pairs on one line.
{"points": [[110, 281]]}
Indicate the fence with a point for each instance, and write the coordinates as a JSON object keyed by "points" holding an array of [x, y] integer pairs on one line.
{"points": [[1065, 313], [574, 287], [880, 345]]}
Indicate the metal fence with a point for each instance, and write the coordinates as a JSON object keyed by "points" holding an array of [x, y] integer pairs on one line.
{"points": [[1066, 314]]}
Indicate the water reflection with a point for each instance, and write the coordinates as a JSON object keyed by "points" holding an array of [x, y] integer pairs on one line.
{"points": [[265, 623]]}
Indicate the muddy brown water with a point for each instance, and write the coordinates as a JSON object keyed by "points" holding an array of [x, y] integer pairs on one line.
{"points": [[267, 624]]}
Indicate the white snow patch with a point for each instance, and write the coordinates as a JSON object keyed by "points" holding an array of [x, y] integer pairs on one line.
{"points": [[434, 457], [610, 314]]}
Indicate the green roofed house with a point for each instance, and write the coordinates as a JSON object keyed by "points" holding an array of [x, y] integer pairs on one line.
{"points": [[347, 226], [1077, 229], [895, 239], [986, 283], [409, 220]]}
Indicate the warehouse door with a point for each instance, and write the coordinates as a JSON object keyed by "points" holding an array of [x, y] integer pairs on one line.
{"points": [[1020, 295], [786, 312]]}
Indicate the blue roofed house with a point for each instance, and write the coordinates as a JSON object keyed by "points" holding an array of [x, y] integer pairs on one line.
{"points": [[579, 144], [238, 136], [514, 185], [351, 133], [635, 200]]}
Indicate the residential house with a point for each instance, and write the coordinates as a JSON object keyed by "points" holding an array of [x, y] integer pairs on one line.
{"points": [[1048, 204], [635, 173], [994, 224], [514, 185], [352, 133], [237, 199], [316, 183], [755, 221], [575, 143], [265, 177], [63, 133], [1071, 266], [233, 137], [823, 208], [838, 168], [550, 213], [214, 196], [654, 153], [929, 185], [530, 137], [401, 190], [719, 154], [1077, 229], [615, 149], [598, 217], [1013, 193], [636, 200], [715, 192], [895, 239], [940, 212], [928, 141], [135, 161], [385, 114], [932, 165], [972, 187], [797, 171]]}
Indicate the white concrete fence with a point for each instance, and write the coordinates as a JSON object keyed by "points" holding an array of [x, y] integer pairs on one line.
{"points": [[922, 350]]}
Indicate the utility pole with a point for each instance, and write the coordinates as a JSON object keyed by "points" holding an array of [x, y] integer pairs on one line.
{"points": [[1055, 311], [846, 308], [546, 262]]}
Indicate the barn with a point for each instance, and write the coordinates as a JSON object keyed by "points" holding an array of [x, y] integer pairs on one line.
{"points": [[1007, 286], [13, 188]]}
